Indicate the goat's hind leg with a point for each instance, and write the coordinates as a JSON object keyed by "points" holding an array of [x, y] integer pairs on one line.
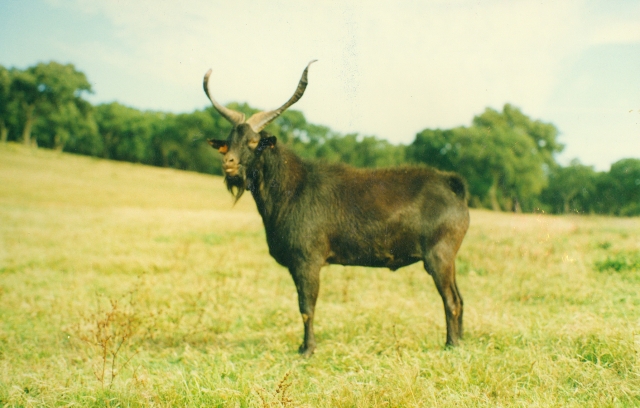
{"points": [[439, 262]]}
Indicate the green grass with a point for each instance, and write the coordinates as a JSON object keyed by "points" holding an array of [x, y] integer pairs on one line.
{"points": [[96, 255]]}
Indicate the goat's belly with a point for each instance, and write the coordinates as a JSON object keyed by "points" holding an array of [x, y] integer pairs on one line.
{"points": [[377, 256], [390, 263]]}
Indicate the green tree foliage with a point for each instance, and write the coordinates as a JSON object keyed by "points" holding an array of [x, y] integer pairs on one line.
{"points": [[571, 189], [618, 191], [71, 127], [45, 90], [544, 135], [178, 141], [5, 115], [459, 149], [319, 142], [126, 132], [625, 175], [521, 150], [580, 189], [503, 155]]}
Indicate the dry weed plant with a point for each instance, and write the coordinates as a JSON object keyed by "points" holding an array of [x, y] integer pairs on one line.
{"points": [[114, 334], [280, 397], [117, 330]]}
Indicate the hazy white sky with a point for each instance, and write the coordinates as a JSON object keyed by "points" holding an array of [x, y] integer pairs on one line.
{"points": [[387, 68]]}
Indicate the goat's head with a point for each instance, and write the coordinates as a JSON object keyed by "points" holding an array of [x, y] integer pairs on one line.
{"points": [[247, 140]]}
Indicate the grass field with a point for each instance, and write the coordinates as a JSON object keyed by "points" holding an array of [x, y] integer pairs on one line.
{"points": [[126, 285]]}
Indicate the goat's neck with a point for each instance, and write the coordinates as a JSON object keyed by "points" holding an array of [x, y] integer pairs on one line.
{"points": [[275, 181]]}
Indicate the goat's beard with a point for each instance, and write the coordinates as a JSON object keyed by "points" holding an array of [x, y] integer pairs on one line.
{"points": [[236, 185]]}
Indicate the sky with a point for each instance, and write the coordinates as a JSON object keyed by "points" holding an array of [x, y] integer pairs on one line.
{"points": [[385, 68]]}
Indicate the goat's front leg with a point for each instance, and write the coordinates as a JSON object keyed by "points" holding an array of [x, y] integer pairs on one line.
{"points": [[307, 280]]}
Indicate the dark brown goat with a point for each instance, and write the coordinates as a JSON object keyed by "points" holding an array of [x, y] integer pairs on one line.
{"points": [[316, 213]]}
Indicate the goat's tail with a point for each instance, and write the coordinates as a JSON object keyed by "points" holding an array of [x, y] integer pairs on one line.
{"points": [[458, 186]]}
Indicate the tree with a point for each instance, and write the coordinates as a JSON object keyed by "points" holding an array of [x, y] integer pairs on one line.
{"points": [[522, 150], [502, 155], [178, 141], [126, 132], [46, 88], [289, 127], [624, 179], [434, 147], [5, 87], [571, 189], [544, 135], [70, 127], [319, 142]]}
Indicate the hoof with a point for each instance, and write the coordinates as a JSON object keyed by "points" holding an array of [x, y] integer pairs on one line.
{"points": [[306, 352], [451, 344]]}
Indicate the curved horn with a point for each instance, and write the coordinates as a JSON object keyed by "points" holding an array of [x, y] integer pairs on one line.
{"points": [[260, 120], [232, 116]]}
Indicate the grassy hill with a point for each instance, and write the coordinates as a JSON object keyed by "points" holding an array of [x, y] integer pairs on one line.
{"points": [[126, 285]]}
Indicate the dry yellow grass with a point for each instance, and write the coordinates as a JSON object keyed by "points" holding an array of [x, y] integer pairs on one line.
{"points": [[213, 319]]}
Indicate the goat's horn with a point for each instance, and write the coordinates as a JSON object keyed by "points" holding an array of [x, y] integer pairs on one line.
{"points": [[232, 116], [260, 120]]}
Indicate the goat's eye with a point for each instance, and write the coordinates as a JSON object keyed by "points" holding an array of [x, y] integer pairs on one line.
{"points": [[252, 144]]}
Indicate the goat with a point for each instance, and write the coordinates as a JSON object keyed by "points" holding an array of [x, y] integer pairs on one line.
{"points": [[315, 213]]}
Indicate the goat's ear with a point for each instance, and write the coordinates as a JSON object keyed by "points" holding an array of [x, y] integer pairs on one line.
{"points": [[267, 142], [221, 145]]}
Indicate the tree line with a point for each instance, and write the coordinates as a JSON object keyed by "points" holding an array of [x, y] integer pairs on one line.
{"points": [[507, 158]]}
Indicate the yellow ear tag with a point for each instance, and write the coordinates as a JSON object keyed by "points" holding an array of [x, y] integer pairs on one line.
{"points": [[223, 149]]}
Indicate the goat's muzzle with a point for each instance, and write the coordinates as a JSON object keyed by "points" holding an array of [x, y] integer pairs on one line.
{"points": [[230, 165]]}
